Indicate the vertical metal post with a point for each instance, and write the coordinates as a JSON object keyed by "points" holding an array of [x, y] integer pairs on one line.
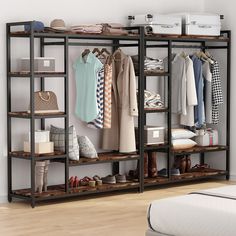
{"points": [[32, 114], [9, 159], [141, 53], [115, 165], [169, 107], [66, 108], [42, 79], [228, 106]]}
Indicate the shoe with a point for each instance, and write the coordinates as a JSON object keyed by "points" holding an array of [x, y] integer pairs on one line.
{"points": [[76, 182], [173, 171], [45, 177], [97, 179], [110, 179], [71, 181], [180, 163], [39, 176], [188, 163], [120, 178], [152, 164], [162, 172], [84, 181]]}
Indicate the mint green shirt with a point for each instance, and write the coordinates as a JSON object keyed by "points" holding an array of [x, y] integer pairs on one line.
{"points": [[86, 70]]}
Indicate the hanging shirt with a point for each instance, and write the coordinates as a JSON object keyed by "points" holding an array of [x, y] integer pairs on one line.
{"points": [[199, 110], [207, 91], [86, 70], [98, 122], [188, 119], [217, 95], [178, 85]]}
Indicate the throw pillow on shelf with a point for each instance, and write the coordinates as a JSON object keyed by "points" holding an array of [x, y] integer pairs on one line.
{"points": [[87, 148]]}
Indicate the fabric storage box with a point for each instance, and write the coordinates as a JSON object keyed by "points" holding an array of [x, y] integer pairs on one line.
{"points": [[41, 136], [153, 135], [207, 137], [205, 24], [40, 148], [158, 24], [41, 64]]}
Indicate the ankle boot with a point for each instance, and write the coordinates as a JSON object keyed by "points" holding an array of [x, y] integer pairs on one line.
{"points": [[152, 164], [45, 177], [182, 164], [145, 164], [188, 163], [39, 174]]}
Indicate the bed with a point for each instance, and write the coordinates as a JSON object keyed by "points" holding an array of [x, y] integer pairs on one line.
{"points": [[209, 212]]}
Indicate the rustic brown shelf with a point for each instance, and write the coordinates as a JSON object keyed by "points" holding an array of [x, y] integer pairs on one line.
{"points": [[27, 155], [156, 110], [59, 190], [193, 175], [26, 115], [198, 149], [37, 74], [105, 158]]}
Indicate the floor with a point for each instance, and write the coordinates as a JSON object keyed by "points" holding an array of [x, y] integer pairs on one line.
{"points": [[119, 215]]}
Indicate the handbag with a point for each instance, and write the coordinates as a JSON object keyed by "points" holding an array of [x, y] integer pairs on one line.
{"points": [[45, 102]]}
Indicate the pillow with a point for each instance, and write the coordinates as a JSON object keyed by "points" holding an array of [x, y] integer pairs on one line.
{"points": [[57, 135], [87, 149], [182, 134], [183, 144]]}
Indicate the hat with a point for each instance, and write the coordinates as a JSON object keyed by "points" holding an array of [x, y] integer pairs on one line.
{"points": [[58, 24], [37, 26]]}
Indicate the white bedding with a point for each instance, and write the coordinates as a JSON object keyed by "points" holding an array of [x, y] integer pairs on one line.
{"points": [[196, 214]]}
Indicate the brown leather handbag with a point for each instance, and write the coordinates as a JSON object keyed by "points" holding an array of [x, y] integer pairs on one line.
{"points": [[45, 102]]}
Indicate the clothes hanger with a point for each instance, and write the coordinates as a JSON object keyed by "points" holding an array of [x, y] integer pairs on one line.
{"points": [[104, 50], [96, 50], [85, 52], [117, 55]]}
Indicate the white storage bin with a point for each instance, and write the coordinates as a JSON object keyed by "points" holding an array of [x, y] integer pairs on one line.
{"points": [[40, 148], [41, 64], [207, 137], [41, 136], [157, 23], [205, 24]]}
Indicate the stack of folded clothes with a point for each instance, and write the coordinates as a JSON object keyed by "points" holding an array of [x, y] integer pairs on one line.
{"points": [[150, 64], [87, 29], [114, 29], [152, 100]]}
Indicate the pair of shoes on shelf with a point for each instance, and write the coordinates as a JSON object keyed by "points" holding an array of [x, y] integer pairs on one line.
{"points": [[74, 182], [163, 172], [199, 167], [113, 179], [97, 180], [85, 181], [41, 175], [183, 163]]}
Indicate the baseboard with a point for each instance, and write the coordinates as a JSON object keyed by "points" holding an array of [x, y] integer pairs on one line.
{"points": [[233, 177], [3, 199]]}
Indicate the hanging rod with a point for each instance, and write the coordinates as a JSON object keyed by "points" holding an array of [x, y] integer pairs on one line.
{"points": [[186, 46], [92, 44]]}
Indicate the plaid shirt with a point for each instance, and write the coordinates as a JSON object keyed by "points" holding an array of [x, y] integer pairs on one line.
{"points": [[217, 96]]}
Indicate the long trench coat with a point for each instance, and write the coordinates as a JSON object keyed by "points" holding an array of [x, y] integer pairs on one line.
{"points": [[121, 135]]}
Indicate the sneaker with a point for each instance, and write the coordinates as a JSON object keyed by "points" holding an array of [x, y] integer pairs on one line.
{"points": [[120, 178], [110, 179], [163, 172]]}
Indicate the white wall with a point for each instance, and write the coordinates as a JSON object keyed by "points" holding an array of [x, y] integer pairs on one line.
{"points": [[228, 10], [73, 12]]}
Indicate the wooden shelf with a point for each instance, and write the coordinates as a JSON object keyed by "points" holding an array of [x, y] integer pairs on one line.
{"points": [[105, 158], [198, 149], [37, 74], [26, 115], [27, 155], [193, 175], [58, 191]]}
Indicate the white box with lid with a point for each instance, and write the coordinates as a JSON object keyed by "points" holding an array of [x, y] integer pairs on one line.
{"points": [[205, 24], [158, 23]]}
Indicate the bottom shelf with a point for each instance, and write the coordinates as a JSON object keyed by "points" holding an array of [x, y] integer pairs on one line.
{"points": [[195, 175], [57, 191]]}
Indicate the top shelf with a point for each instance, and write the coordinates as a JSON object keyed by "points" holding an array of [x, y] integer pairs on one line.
{"points": [[174, 38]]}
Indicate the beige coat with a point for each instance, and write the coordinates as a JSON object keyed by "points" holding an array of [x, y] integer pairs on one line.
{"points": [[121, 136]]}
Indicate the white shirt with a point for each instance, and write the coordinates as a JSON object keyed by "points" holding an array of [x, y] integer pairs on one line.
{"points": [[191, 95]]}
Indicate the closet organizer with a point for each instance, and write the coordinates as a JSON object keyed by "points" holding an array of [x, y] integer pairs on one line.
{"points": [[140, 41]]}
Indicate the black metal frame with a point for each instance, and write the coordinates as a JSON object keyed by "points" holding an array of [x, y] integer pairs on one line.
{"points": [[142, 43]]}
